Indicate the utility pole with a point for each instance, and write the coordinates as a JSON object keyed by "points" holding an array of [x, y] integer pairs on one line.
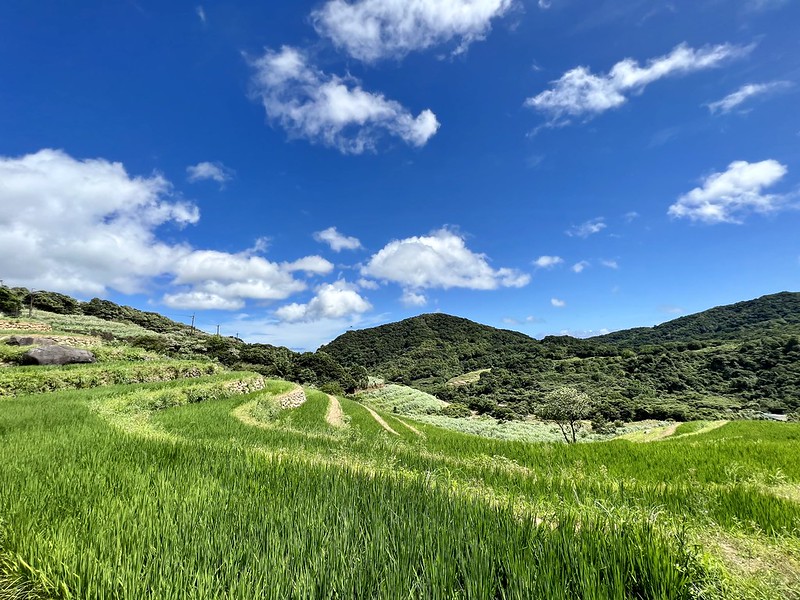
{"points": [[193, 322], [217, 330]]}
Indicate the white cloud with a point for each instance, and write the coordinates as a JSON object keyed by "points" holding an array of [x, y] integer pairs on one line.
{"points": [[544, 4], [439, 260], [580, 93], [86, 226], [410, 298], [745, 93], [83, 226], [548, 262], [337, 241], [215, 171], [313, 265], [370, 30], [579, 267], [332, 301], [331, 110], [201, 13], [368, 284], [610, 264], [631, 216], [587, 228], [201, 301], [727, 196], [557, 303]]}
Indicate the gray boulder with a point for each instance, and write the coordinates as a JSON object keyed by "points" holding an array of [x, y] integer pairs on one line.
{"points": [[29, 340], [57, 355]]}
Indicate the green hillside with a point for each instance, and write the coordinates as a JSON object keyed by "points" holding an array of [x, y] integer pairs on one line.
{"points": [[776, 314], [204, 483], [729, 362]]}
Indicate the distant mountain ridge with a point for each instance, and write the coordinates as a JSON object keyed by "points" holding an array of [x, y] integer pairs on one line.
{"points": [[727, 360], [740, 321]]}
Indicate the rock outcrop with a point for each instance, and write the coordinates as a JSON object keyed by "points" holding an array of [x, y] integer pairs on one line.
{"points": [[57, 355], [29, 340]]}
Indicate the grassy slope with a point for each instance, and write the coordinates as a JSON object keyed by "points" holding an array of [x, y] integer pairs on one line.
{"points": [[195, 488], [192, 502]]}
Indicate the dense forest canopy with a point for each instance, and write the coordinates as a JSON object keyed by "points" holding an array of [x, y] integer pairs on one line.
{"points": [[737, 359]]}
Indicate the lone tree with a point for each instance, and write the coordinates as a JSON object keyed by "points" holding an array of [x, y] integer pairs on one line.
{"points": [[567, 407]]}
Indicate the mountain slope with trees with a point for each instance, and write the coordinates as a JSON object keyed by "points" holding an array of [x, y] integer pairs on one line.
{"points": [[730, 360]]}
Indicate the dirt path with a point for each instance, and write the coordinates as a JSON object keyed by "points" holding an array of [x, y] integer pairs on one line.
{"points": [[380, 420], [334, 416], [411, 427]]}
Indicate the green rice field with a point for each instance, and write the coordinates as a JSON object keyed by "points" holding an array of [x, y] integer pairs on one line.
{"points": [[203, 487]]}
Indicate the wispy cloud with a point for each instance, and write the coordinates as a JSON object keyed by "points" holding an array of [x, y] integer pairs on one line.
{"points": [[201, 13], [587, 228], [580, 93], [548, 262], [214, 171], [746, 93], [579, 267]]}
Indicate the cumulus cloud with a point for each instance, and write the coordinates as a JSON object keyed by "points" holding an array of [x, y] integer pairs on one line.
{"points": [[580, 93], [337, 241], [332, 110], [728, 196], [587, 228], [558, 303], [370, 30], [548, 262], [610, 264], [745, 93], [84, 225], [332, 301], [87, 226], [215, 171], [411, 298], [579, 267], [439, 260]]}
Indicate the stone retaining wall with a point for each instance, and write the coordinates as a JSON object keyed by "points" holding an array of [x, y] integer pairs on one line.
{"points": [[292, 399], [6, 324]]}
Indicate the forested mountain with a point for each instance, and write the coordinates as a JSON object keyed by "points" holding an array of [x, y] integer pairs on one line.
{"points": [[776, 314], [743, 357]]}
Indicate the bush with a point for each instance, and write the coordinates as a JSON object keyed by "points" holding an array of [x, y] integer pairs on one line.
{"points": [[456, 410], [10, 303]]}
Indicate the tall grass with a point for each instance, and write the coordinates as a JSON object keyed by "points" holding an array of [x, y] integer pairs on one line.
{"points": [[131, 517], [217, 507]]}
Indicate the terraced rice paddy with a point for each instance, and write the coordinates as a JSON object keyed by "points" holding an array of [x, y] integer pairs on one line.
{"points": [[204, 487]]}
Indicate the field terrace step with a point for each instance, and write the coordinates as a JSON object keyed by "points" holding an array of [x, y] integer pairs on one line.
{"points": [[18, 381]]}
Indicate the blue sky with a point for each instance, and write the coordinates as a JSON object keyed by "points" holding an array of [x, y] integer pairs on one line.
{"points": [[290, 170]]}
